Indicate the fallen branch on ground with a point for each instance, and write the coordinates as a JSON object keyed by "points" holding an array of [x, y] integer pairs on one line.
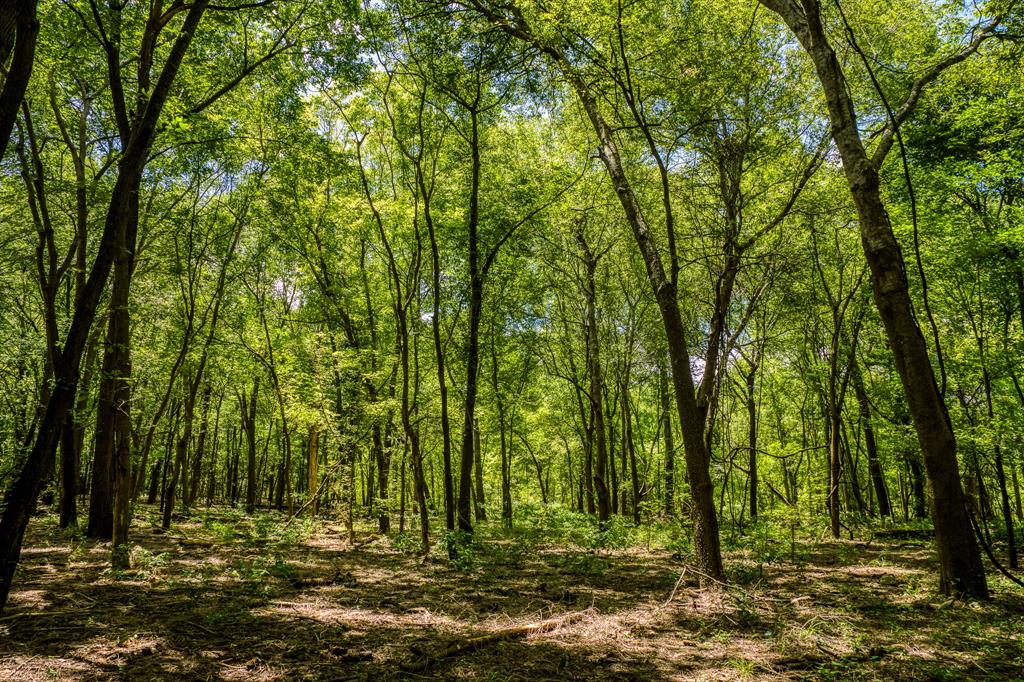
{"points": [[424, 659], [672, 594]]}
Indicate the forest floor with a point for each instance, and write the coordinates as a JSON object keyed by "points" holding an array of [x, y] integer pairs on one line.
{"points": [[227, 597]]}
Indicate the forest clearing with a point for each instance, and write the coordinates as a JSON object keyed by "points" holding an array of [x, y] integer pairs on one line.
{"points": [[492, 339]]}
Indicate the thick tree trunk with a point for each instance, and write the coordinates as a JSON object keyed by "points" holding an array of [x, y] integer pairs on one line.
{"points": [[73, 439], [120, 338], [961, 570], [101, 494], [19, 29]]}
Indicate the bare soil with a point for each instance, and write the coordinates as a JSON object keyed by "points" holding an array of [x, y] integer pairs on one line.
{"points": [[226, 598]]}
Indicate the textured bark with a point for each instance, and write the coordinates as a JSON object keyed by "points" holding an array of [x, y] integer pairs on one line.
{"points": [[961, 570], [101, 493], [19, 29], [119, 338]]}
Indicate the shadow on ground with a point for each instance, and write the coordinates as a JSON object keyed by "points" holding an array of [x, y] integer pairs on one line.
{"points": [[224, 598]]}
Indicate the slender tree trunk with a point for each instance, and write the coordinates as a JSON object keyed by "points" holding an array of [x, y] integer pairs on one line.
{"points": [[629, 448], [211, 490], [312, 473], [248, 405], [478, 465], [476, 295], [670, 448], [596, 387], [752, 438], [439, 356], [874, 465]]}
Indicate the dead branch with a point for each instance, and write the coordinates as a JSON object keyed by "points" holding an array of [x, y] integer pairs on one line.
{"points": [[424, 660]]}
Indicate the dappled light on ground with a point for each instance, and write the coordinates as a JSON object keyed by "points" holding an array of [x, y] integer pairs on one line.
{"points": [[226, 598]]}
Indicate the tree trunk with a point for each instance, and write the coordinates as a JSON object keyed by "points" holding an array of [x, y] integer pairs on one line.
{"points": [[21, 496], [596, 387], [629, 449], [19, 29], [313, 461], [874, 465], [752, 438], [248, 405], [476, 294], [478, 465], [73, 439], [670, 449], [195, 479], [961, 570]]}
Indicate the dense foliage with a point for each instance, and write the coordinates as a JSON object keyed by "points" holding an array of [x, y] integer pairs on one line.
{"points": [[386, 261]]}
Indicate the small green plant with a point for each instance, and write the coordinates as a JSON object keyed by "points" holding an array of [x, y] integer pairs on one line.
{"points": [[585, 564], [460, 549], [406, 543], [146, 562]]}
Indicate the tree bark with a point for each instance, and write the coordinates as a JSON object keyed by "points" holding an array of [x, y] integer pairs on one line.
{"points": [[961, 570], [476, 294], [248, 405], [478, 466], [19, 29]]}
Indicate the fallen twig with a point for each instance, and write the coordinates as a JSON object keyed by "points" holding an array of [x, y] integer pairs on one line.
{"points": [[35, 613], [14, 673], [672, 594], [426, 660]]}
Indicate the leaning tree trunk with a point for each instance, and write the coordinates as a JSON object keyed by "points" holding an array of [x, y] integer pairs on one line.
{"points": [[19, 29], [960, 567], [23, 493]]}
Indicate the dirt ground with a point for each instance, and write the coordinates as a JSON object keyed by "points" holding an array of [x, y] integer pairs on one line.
{"points": [[226, 598]]}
